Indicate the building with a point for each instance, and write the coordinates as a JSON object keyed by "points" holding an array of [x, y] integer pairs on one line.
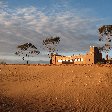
{"points": [[92, 57]]}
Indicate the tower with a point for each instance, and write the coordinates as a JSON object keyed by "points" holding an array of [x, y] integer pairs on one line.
{"points": [[94, 55]]}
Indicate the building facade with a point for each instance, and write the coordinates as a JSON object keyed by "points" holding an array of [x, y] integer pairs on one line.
{"points": [[92, 57]]}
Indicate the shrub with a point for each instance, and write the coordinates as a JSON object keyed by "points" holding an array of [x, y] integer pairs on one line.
{"points": [[2, 62]]}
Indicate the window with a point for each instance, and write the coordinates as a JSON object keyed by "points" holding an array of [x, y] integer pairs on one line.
{"points": [[81, 59], [89, 59], [59, 60], [78, 59], [75, 59]]}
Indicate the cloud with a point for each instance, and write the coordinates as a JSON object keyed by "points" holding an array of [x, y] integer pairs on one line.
{"points": [[29, 24]]}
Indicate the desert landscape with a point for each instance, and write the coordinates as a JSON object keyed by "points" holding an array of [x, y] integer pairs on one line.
{"points": [[56, 88]]}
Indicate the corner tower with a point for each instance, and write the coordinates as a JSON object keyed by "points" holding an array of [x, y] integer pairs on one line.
{"points": [[93, 56]]}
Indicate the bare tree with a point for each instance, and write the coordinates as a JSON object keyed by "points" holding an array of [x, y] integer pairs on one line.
{"points": [[27, 50]]}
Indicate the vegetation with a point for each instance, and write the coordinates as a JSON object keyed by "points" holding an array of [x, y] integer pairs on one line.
{"points": [[2, 62], [50, 44], [105, 34], [27, 50]]}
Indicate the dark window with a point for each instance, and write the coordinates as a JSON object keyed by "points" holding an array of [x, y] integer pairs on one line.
{"points": [[89, 59]]}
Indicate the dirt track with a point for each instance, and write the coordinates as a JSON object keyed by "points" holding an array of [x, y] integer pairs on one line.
{"points": [[45, 88]]}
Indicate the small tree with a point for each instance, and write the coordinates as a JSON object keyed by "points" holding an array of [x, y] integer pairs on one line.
{"points": [[27, 50], [105, 34], [50, 44]]}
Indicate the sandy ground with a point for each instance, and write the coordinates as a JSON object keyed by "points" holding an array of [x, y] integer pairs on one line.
{"points": [[63, 88]]}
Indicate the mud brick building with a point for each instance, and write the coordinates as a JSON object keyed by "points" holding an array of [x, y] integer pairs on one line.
{"points": [[92, 57]]}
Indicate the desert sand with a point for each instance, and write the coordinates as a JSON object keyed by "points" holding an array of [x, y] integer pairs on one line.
{"points": [[56, 88]]}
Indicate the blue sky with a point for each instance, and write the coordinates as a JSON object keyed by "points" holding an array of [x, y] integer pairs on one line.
{"points": [[75, 21], [101, 7]]}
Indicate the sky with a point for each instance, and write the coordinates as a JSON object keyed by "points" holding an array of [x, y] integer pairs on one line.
{"points": [[75, 21]]}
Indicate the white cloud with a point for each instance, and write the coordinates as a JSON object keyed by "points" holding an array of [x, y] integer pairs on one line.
{"points": [[77, 30]]}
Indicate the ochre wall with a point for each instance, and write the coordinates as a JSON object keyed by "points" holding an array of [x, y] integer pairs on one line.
{"points": [[92, 57]]}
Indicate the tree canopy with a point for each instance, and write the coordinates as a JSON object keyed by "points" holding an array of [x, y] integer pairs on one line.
{"points": [[50, 43], [105, 34], [27, 50]]}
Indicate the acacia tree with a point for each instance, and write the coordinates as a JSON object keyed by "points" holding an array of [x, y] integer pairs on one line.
{"points": [[50, 43], [105, 35], [27, 50]]}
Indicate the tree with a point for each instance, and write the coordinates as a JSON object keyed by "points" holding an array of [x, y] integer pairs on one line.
{"points": [[50, 43], [27, 50], [105, 34]]}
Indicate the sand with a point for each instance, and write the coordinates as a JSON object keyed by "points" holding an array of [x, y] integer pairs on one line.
{"points": [[51, 88]]}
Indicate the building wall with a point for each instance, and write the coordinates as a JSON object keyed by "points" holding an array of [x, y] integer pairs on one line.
{"points": [[92, 57]]}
